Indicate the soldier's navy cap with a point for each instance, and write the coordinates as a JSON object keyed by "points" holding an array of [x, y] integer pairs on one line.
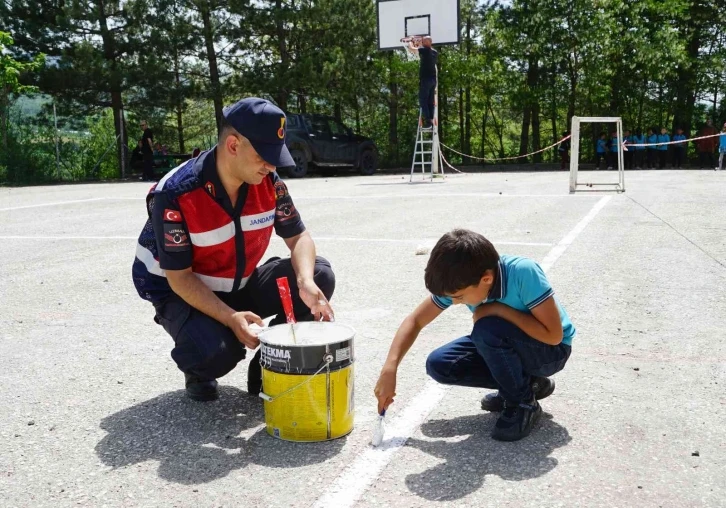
{"points": [[265, 125]]}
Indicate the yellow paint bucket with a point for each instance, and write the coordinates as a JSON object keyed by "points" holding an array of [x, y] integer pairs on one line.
{"points": [[307, 380]]}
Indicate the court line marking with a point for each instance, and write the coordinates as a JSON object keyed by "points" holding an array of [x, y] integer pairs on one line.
{"points": [[71, 202], [302, 197], [441, 195], [56, 203], [353, 482], [426, 241]]}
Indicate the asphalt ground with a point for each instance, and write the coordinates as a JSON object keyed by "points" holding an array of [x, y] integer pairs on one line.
{"points": [[93, 412]]}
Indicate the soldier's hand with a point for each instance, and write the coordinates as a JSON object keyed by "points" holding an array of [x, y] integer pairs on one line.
{"points": [[239, 324]]}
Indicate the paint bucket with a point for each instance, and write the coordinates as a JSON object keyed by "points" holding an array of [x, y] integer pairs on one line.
{"points": [[307, 380]]}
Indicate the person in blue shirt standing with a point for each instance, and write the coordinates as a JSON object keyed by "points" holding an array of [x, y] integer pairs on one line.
{"points": [[663, 137], [721, 147], [521, 334], [601, 150], [679, 150], [628, 155], [652, 148], [613, 151], [639, 139]]}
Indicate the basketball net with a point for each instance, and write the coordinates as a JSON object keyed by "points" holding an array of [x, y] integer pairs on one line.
{"points": [[417, 41]]}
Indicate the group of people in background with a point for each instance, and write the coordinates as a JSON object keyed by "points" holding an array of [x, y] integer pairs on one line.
{"points": [[142, 157], [649, 150]]}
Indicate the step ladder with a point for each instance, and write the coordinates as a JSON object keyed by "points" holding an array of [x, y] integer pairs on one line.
{"points": [[427, 152]]}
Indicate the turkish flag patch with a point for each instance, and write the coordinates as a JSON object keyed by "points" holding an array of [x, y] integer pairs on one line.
{"points": [[172, 216]]}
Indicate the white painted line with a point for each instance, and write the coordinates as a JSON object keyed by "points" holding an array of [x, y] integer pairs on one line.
{"points": [[50, 204], [58, 203], [348, 488], [352, 484], [323, 198], [426, 241], [321, 238], [558, 249], [69, 237], [439, 195]]}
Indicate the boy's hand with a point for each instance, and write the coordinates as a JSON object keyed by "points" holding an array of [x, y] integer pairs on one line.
{"points": [[385, 388], [485, 310]]}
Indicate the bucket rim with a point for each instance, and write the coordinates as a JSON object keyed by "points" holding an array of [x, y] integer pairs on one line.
{"points": [[262, 336]]}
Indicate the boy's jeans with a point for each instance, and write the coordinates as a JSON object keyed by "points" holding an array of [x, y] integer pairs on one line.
{"points": [[496, 355]]}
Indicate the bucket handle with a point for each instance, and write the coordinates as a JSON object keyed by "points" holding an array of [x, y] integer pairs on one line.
{"points": [[327, 360]]}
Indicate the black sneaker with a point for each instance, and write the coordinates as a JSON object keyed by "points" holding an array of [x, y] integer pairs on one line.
{"points": [[517, 421], [199, 389], [542, 387], [254, 375]]}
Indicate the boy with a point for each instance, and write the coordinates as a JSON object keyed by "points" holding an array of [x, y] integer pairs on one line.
{"points": [[663, 137], [521, 334], [613, 151], [628, 155], [601, 150]]}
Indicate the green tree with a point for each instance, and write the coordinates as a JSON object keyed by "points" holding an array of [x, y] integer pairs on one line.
{"points": [[11, 71]]}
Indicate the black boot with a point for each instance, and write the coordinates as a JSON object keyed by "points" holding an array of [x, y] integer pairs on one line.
{"points": [[542, 387], [516, 421], [254, 375], [202, 390]]}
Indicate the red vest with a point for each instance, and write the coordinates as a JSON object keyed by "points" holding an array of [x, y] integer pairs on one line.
{"points": [[214, 235]]}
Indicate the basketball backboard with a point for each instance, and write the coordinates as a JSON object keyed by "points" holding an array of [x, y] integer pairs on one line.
{"points": [[405, 18]]}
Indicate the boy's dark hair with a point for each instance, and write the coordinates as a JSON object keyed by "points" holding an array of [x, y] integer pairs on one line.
{"points": [[459, 260]]}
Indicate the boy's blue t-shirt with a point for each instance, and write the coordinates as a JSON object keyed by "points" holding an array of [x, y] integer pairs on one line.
{"points": [[679, 137], [652, 139], [521, 284], [601, 143], [663, 138], [639, 140], [722, 142]]}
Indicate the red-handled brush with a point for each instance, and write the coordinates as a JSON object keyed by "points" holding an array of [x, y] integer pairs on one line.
{"points": [[284, 289]]}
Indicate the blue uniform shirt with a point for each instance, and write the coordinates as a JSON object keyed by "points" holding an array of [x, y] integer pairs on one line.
{"points": [[601, 144], [663, 138], [521, 284], [639, 140]]}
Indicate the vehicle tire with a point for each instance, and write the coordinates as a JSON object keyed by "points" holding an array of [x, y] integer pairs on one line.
{"points": [[368, 162], [300, 168]]}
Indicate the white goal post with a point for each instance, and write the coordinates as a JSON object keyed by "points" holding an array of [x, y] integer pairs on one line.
{"points": [[618, 186]]}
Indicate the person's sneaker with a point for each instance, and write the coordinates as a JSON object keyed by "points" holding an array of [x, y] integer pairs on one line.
{"points": [[202, 390], [517, 421], [254, 375], [542, 387]]}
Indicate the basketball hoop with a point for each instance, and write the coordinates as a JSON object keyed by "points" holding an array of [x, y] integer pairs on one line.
{"points": [[416, 40], [404, 21]]}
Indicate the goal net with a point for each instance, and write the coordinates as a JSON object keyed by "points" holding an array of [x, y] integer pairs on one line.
{"points": [[576, 180]]}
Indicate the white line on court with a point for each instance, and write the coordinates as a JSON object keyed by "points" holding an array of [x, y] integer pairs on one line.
{"points": [[348, 488], [71, 202], [441, 195], [51, 204], [322, 198], [69, 237], [427, 242]]}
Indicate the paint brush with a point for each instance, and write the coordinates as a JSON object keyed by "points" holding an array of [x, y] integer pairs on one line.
{"points": [[284, 289]]}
